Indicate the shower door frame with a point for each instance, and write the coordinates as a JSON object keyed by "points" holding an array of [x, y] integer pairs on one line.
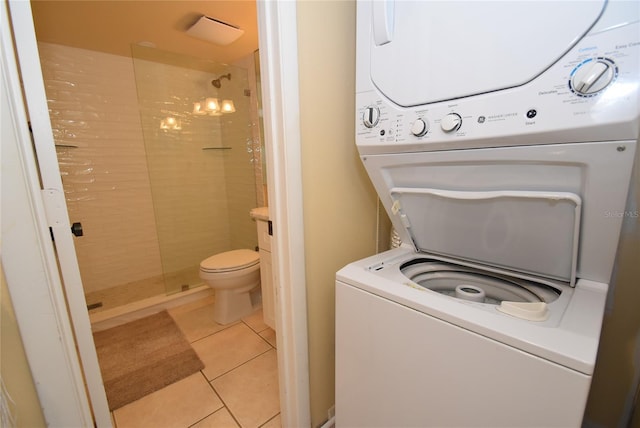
{"points": [[278, 40]]}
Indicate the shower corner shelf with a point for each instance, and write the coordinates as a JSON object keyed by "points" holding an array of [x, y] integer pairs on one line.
{"points": [[217, 148]]}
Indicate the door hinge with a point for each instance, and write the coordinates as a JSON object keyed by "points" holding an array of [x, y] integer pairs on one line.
{"points": [[55, 206]]}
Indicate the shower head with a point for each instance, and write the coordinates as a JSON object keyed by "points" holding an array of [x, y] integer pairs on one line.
{"points": [[216, 82]]}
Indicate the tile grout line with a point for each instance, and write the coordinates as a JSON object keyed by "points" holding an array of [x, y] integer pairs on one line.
{"points": [[258, 333], [225, 327], [253, 329], [269, 420], [241, 364], [214, 333], [224, 403], [268, 343]]}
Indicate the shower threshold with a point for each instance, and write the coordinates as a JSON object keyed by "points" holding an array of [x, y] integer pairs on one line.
{"points": [[142, 308]]}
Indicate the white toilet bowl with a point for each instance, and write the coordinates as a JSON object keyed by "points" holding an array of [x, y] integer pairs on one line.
{"points": [[235, 276]]}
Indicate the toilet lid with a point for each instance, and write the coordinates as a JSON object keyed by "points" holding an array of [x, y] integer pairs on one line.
{"points": [[230, 260]]}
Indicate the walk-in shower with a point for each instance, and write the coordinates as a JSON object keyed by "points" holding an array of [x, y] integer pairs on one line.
{"points": [[157, 185]]}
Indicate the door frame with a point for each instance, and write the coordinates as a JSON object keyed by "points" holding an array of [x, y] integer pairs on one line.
{"points": [[59, 381], [29, 260], [278, 41], [55, 207], [49, 209]]}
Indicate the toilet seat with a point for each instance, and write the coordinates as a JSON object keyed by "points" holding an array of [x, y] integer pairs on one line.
{"points": [[230, 261]]}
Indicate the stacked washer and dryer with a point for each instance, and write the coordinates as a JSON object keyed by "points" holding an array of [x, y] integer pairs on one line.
{"points": [[500, 137]]}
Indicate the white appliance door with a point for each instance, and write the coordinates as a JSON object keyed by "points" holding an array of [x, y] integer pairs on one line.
{"points": [[417, 45], [528, 231], [431, 198]]}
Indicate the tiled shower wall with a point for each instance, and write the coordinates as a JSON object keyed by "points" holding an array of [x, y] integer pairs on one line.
{"points": [[97, 125], [94, 114]]}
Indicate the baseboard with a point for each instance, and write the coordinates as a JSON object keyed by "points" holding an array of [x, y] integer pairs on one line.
{"points": [[331, 423]]}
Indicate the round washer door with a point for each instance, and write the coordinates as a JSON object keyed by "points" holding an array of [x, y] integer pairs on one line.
{"points": [[437, 50]]}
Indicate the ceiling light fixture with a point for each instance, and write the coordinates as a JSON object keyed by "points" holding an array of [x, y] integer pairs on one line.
{"points": [[212, 107], [228, 107]]}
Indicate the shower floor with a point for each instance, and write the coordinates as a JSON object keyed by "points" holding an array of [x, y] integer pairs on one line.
{"points": [[134, 291], [120, 295]]}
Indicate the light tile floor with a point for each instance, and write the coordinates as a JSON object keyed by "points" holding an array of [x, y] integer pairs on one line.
{"points": [[238, 386]]}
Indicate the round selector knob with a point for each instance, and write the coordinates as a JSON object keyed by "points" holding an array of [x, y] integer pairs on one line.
{"points": [[371, 116], [420, 127], [593, 76], [451, 122]]}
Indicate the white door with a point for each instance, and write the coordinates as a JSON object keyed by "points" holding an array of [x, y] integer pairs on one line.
{"points": [[55, 205], [481, 46], [278, 41]]}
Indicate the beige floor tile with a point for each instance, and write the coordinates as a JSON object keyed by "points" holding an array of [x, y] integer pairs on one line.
{"points": [[180, 404], [273, 423], [269, 335], [220, 419], [250, 392], [197, 322], [228, 349], [192, 305], [256, 321]]}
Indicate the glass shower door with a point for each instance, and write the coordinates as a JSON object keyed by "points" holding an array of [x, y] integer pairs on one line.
{"points": [[201, 162]]}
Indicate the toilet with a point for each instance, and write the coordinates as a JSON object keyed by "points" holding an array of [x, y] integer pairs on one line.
{"points": [[235, 277]]}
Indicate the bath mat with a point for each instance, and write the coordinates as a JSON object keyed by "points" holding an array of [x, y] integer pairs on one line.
{"points": [[143, 356]]}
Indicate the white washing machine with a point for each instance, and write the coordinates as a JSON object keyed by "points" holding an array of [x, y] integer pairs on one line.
{"points": [[500, 137]]}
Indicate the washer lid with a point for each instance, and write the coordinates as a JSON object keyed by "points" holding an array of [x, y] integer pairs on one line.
{"points": [[417, 45], [533, 232], [230, 260]]}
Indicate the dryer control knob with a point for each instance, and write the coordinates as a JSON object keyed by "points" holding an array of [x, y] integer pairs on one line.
{"points": [[371, 116], [593, 76], [451, 122], [420, 127]]}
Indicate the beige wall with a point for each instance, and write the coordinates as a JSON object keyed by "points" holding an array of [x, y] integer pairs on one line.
{"points": [[339, 201], [14, 369]]}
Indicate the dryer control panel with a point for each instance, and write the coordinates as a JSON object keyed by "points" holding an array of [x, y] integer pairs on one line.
{"points": [[591, 94]]}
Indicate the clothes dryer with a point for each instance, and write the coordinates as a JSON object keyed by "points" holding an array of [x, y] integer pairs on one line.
{"points": [[500, 137]]}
